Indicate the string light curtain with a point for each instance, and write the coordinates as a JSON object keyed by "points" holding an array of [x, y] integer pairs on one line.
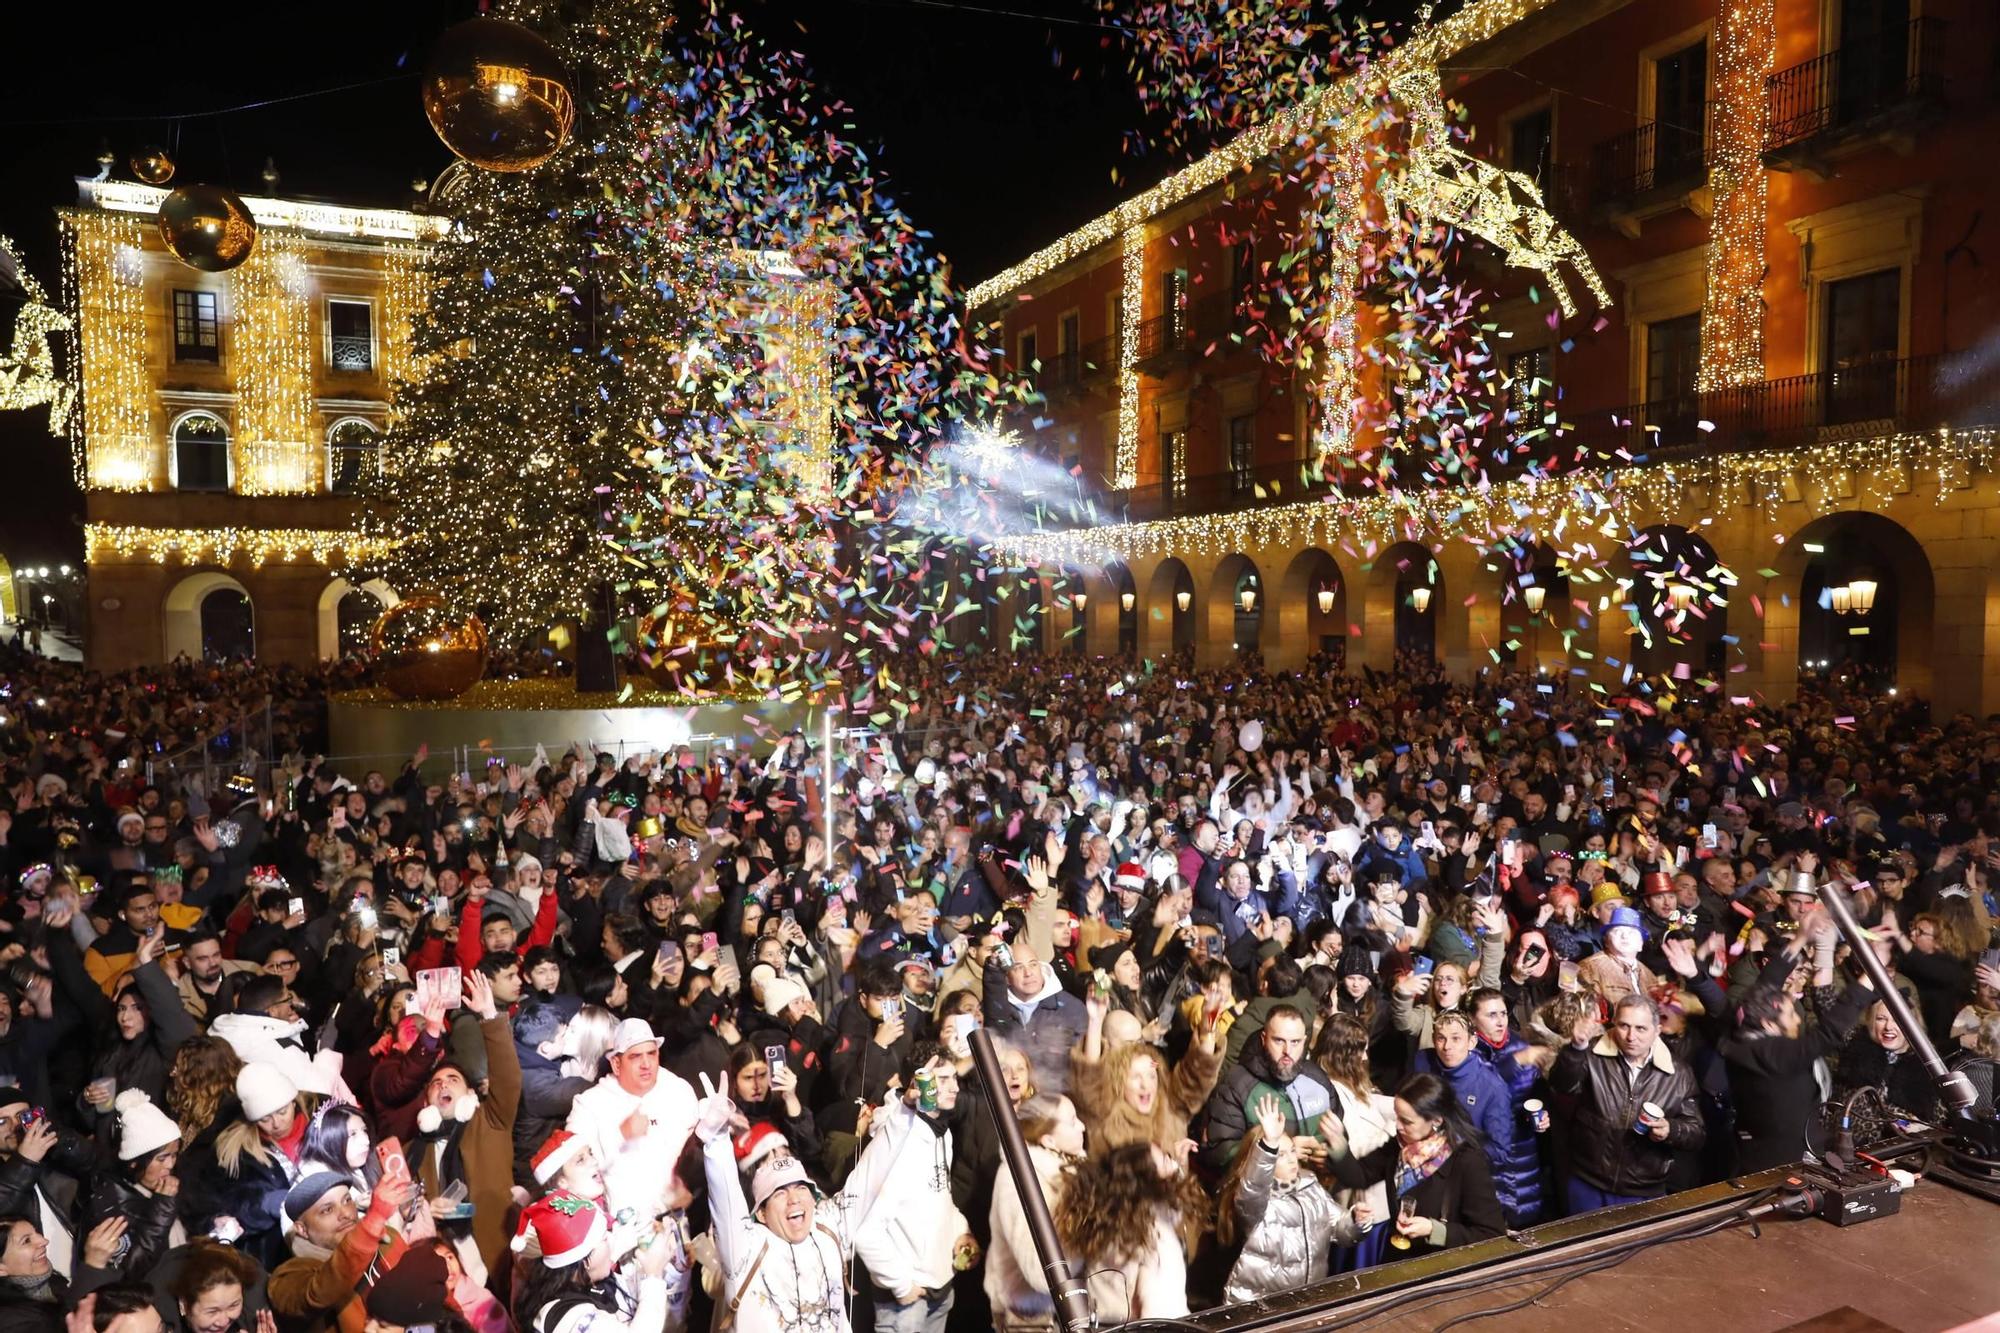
{"points": [[271, 303], [1732, 318], [114, 444]]}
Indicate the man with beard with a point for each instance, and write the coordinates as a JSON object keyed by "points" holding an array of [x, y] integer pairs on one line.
{"points": [[1275, 1063], [467, 1139], [209, 982]]}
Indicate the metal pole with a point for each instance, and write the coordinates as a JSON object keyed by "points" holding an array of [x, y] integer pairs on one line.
{"points": [[1953, 1086], [1066, 1282], [826, 784]]}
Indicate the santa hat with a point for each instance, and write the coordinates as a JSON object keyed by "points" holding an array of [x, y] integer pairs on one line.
{"points": [[556, 1152], [565, 1227], [263, 1088], [143, 1128], [1132, 876], [756, 1143]]}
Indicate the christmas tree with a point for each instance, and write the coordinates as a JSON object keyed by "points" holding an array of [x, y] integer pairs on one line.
{"points": [[575, 442]]}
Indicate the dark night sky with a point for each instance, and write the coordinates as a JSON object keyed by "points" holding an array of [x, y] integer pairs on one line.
{"points": [[990, 141]]}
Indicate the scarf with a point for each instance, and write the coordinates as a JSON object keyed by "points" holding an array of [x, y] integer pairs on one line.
{"points": [[1421, 1161], [42, 1289]]}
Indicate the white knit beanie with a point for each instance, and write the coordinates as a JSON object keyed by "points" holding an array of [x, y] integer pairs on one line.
{"points": [[143, 1128], [263, 1088]]}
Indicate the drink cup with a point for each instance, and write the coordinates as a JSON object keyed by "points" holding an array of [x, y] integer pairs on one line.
{"points": [[1538, 1114]]}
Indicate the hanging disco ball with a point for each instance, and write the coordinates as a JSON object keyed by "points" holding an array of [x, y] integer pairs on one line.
{"points": [[498, 95], [207, 227], [153, 165]]}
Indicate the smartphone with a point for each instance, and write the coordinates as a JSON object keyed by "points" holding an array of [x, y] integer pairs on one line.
{"points": [[789, 917], [1610, 788], [389, 1152], [296, 907], [1424, 965], [391, 956], [1990, 958], [667, 952], [440, 905], [960, 1028], [1708, 836], [1681, 804], [1464, 792], [710, 942], [774, 1056], [1430, 829], [892, 1010], [440, 983]]}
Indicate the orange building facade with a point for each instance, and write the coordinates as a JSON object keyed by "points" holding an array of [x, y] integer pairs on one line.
{"points": [[1779, 411]]}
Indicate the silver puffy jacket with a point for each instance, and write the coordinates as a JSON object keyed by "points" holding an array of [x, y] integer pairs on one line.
{"points": [[1289, 1230]]}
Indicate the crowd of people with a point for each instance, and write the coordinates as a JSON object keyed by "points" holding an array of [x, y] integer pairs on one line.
{"points": [[1290, 974]]}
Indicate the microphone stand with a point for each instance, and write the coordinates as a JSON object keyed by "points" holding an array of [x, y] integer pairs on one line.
{"points": [[1954, 1088], [1066, 1283]]}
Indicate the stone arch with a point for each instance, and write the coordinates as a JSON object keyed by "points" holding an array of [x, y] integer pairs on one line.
{"points": [[1671, 603], [1165, 626], [330, 612], [1531, 570], [1391, 622], [1900, 633], [1229, 629], [1311, 578], [182, 613], [353, 454]]}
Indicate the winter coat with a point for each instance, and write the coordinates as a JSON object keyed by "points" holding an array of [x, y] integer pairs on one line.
{"points": [[1369, 1120], [396, 1085], [1903, 1079], [1288, 1230], [1053, 1023], [150, 1218], [1458, 1197], [1098, 1088], [546, 1096], [321, 1295], [905, 1224], [1771, 1081], [485, 1145], [1517, 1176], [1016, 1286], [1604, 1152], [637, 1171], [1487, 1103], [1306, 1095], [252, 1193], [18, 1314]]}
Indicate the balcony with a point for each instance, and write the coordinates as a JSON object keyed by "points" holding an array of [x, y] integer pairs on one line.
{"points": [[353, 353], [1879, 89], [1650, 171], [1918, 393], [1067, 374], [1914, 393], [1164, 341]]}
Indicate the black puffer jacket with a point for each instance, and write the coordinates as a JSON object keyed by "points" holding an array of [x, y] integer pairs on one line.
{"points": [[1605, 1153], [151, 1217]]}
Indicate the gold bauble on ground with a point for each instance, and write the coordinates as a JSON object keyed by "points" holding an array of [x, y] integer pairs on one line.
{"points": [[425, 650], [498, 95], [153, 165], [207, 227]]}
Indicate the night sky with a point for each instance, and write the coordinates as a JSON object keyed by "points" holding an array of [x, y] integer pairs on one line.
{"points": [[998, 122]]}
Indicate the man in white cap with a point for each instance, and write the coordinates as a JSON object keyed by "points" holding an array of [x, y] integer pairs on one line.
{"points": [[637, 1119]]}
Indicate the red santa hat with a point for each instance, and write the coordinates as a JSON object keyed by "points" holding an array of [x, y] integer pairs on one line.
{"points": [[1132, 876], [756, 1143], [555, 1153], [564, 1227]]}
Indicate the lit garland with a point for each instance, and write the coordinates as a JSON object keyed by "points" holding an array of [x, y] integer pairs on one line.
{"points": [[1131, 314], [223, 546], [115, 444], [271, 300], [793, 323], [28, 375], [1334, 108], [404, 291], [375, 224], [1335, 434], [1611, 503], [1732, 318]]}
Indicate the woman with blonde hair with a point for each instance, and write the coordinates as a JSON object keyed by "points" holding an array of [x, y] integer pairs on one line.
{"points": [[1126, 1092], [1016, 1287], [239, 1185]]}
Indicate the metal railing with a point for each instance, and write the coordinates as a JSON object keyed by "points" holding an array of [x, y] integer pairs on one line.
{"points": [[1078, 366], [1911, 393], [1164, 335], [1864, 77], [241, 743], [353, 352], [1656, 156]]}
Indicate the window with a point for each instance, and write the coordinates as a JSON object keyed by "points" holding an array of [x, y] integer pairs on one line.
{"points": [[1673, 359], [1531, 143], [353, 456], [1069, 331], [1864, 318], [1027, 347], [1876, 47], [1174, 305], [1242, 450], [197, 327], [201, 453], [351, 327], [1680, 112], [1174, 446], [1528, 388]]}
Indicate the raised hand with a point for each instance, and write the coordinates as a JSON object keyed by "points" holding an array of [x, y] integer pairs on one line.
{"points": [[713, 1115], [1680, 955], [479, 994], [1271, 1119]]}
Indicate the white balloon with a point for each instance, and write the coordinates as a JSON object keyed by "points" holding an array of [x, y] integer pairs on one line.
{"points": [[1252, 736]]}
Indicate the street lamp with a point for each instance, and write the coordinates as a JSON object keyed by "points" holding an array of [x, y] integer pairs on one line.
{"points": [[1249, 599], [1183, 599], [1843, 600], [1861, 594], [1680, 596], [1420, 600], [1534, 595], [1325, 596], [1080, 601], [1128, 600]]}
